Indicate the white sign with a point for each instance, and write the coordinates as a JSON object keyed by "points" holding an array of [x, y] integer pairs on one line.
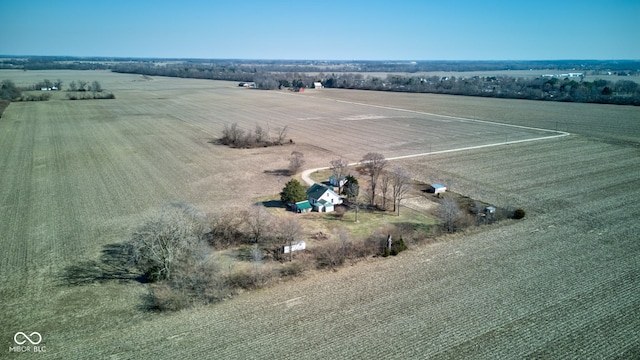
{"points": [[27, 343], [300, 245]]}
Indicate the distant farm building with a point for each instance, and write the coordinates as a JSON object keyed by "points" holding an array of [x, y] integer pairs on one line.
{"points": [[569, 75], [437, 189], [317, 85]]}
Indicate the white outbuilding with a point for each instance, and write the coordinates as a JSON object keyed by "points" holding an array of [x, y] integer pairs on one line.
{"points": [[437, 188]]}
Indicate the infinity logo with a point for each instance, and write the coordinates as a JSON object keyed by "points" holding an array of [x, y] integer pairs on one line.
{"points": [[28, 338]]}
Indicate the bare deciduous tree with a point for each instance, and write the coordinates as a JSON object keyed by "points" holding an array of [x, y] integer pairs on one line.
{"points": [[296, 162], [400, 186], [95, 86], [231, 134], [339, 168], [281, 134], [353, 194], [225, 228], [167, 240], [373, 163], [258, 221], [260, 134], [385, 184], [450, 213]]}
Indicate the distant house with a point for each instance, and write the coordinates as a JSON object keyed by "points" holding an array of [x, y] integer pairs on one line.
{"points": [[437, 188], [333, 180], [322, 198], [302, 206], [317, 85]]}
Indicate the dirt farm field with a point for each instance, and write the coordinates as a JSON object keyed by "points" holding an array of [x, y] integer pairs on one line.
{"points": [[77, 176]]}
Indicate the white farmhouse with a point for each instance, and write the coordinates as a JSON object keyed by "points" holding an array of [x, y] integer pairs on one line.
{"points": [[322, 198]]}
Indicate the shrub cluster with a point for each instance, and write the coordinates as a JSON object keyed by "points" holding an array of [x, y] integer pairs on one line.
{"points": [[518, 214], [40, 97], [90, 96], [234, 136]]}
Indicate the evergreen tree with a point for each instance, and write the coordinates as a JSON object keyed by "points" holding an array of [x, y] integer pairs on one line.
{"points": [[293, 192]]}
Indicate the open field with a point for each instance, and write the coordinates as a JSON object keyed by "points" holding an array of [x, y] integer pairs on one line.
{"points": [[604, 122], [77, 176]]}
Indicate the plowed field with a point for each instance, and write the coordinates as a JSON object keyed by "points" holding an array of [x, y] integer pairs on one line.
{"points": [[77, 176]]}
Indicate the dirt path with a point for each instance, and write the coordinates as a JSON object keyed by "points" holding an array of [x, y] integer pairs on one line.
{"points": [[307, 178]]}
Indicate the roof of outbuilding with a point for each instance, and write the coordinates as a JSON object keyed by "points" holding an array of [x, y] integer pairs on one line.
{"points": [[303, 205]]}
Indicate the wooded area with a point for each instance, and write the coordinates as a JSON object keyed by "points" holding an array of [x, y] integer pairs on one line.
{"points": [[364, 75]]}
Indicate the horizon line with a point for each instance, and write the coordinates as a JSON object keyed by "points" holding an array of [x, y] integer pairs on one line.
{"points": [[409, 61]]}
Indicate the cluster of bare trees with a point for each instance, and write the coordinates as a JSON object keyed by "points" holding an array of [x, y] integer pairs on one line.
{"points": [[82, 86], [175, 249], [391, 182], [234, 136], [83, 90]]}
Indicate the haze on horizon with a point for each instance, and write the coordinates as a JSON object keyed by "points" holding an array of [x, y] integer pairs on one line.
{"points": [[331, 30]]}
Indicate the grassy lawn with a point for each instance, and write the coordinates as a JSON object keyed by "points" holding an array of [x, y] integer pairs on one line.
{"points": [[320, 176], [369, 221]]}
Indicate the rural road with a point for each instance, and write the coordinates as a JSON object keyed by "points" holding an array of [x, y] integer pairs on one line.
{"points": [[306, 174]]}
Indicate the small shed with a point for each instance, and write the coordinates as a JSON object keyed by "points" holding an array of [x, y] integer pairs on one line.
{"points": [[302, 207], [296, 246], [333, 180], [317, 85], [437, 188]]}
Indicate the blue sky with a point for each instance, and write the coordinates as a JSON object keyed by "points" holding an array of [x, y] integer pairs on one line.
{"points": [[341, 30]]}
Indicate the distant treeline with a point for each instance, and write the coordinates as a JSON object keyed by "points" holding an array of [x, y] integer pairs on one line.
{"points": [[273, 74], [568, 89], [253, 66], [558, 88]]}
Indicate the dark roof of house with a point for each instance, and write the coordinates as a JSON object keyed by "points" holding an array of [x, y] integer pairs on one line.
{"points": [[316, 191]]}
